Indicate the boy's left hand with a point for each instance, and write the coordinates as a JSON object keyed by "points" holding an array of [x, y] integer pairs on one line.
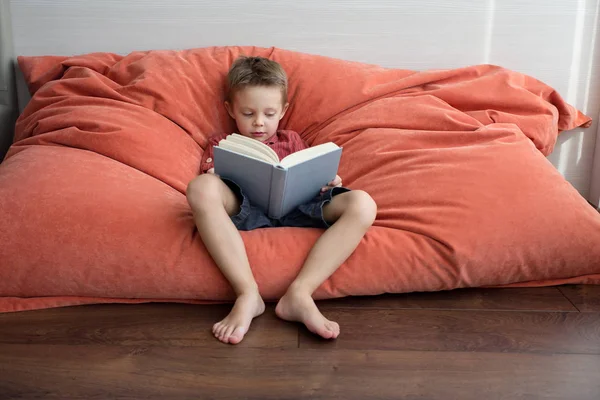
{"points": [[336, 182]]}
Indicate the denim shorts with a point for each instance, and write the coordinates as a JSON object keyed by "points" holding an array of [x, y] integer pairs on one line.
{"points": [[308, 215]]}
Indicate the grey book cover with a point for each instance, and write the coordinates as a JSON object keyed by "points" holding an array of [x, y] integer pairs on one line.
{"points": [[275, 189]]}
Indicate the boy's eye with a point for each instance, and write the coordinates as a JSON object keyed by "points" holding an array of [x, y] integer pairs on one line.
{"points": [[247, 114], [270, 115]]}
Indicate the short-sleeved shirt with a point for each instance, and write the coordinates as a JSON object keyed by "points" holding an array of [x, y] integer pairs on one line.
{"points": [[250, 217], [284, 143]]}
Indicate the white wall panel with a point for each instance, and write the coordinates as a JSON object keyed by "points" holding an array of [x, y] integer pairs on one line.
{"points": [[553, 41]]}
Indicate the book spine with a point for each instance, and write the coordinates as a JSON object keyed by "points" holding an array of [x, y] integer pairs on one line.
{"points": [[277, 192]]}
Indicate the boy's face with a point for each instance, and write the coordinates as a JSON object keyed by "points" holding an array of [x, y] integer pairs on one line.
{"points": [[257, 111]]}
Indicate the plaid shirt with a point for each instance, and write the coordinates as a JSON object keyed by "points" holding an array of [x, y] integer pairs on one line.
{"points": [[284, 143]]}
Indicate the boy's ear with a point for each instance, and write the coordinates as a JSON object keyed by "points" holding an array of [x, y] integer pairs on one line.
{"points": [[285, 107], [229, 109]]}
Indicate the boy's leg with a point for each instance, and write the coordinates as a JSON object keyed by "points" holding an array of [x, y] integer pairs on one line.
{"points": [[352, 213], [212, 203]]}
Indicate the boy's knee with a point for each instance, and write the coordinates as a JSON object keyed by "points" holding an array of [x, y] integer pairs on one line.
{"points": [[363, 207], [204, 191]]}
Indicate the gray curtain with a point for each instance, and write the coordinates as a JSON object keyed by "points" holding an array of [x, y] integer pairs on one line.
{"points": [[8, 100]]}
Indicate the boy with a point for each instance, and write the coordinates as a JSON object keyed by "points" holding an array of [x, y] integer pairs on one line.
{"points": [[257, 100]]}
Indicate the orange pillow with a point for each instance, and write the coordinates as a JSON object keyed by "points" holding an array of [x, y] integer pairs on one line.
{"points": [[92, 192]]}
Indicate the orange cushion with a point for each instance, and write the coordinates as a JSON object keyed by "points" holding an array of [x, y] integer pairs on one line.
{"points": [[92, 192]]}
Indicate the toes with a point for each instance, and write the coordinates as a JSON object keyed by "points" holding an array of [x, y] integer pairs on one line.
{"points": [[237, 335], [334, 327], [216, 327], [220, 330], [332, 330], [219, 337], [326, 334], [227, 333], [322, 330], [336, 331], [224, 331]]}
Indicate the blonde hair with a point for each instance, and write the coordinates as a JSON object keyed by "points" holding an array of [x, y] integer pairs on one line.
{"points": [[256, 71]]}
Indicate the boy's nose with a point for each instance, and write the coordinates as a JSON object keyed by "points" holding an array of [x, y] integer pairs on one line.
{"points": [[258, 122]]}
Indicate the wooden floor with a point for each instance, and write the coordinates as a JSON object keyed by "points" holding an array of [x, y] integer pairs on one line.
{"points": [[535, 343]]}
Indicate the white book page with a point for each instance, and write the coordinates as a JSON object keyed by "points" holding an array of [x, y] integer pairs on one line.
{"points": [[307, 154], [255, 144], [245, 150]]}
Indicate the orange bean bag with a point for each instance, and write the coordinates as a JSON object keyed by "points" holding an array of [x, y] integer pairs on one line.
{"points": [[92, 192]]}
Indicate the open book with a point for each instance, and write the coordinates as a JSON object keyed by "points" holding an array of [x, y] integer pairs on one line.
{"points": [[276, 186]]}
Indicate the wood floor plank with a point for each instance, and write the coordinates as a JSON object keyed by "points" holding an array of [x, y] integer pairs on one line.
{"points": [[443, 330], [156, 372], [585, 297], [534, 299], [143, 324]]}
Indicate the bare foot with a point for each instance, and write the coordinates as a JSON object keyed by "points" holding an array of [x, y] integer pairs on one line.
{"points": [[298, 306], [235, 325]]}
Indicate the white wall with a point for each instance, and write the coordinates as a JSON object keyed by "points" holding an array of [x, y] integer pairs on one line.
{"points": [[8, 106], [552, 40], [594, 196]]}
